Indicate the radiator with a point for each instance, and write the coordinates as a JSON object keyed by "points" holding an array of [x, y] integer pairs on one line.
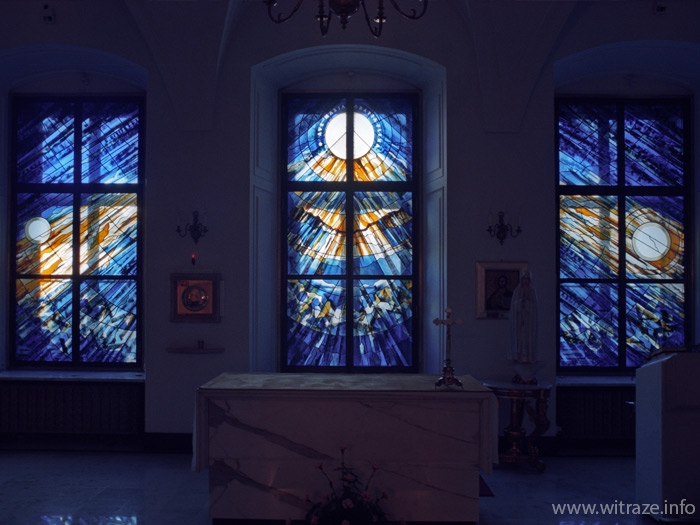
{"points": [[71, 407], [596, 413]]}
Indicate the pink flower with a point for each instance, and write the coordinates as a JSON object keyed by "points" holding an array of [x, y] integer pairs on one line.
{"points": [[345, 522], [314, 520], [347, 503], [365, 496]]}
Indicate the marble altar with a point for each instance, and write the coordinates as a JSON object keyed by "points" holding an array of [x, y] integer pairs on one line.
{"points": [[263, 436]]}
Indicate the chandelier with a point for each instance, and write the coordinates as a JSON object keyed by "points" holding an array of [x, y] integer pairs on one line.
{"points": [[344, 9]]}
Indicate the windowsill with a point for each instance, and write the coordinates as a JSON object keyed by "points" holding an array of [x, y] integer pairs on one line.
{"points": [[595, 380], [71, 375]]}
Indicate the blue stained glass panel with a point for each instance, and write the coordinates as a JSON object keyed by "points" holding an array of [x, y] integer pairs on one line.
{"points": [[587, 144], [654, 152], [655, 237], [110, 148], [43, 320], [44, 233], [108, 227], [382, 242], [382, 318], [108, 321], [655, 319], [389, 156], [45, 142], [316, 233], [588, 321], [309, 156], [382, 140], [316, 327], [588, 241]]}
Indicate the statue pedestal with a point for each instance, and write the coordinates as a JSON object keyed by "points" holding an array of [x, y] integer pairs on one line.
{"points": [[523, 447], [525, 373]]}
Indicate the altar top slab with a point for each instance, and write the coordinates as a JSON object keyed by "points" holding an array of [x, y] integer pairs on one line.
{"points": [[339, 382]]}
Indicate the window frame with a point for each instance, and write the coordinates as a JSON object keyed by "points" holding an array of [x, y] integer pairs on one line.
{"points": [[76, 189], [414, 186], [622, 192]]}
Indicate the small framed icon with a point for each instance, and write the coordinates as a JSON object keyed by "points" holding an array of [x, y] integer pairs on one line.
{"points": [[195, 298], [495, 283]]}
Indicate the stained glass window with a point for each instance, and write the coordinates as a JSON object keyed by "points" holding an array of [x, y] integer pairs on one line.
{"points": [[624, 201], [349, 232], [77, 186]]}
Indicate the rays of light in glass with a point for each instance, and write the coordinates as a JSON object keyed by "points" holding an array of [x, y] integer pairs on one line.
{"points": [[637, 151], [655, 318], [110, 143], [588, 322], [382, 140], [77, 230], [52, 251], [46, 142], [43, 320], [382, 315], [316, 334], [655, 239], [588, 241], [108, 321], [340, 225], [316, 233], [654, 145], [382, 239], [587, 144], [108, 225]]}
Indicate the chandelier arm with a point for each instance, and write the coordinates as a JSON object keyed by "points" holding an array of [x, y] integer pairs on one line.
{"points": [[379, 20], [279, 18], [323, 18], [413, 14]]}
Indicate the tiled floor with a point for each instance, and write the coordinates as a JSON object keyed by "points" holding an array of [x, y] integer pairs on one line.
{"points": [[136, 488], [524, 496], [98, 488]]}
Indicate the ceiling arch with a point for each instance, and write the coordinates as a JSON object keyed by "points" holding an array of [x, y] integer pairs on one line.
{"points": [[671, 61]]}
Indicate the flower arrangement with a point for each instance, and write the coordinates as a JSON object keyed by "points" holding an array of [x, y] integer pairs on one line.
{"points": [[348, 504]]}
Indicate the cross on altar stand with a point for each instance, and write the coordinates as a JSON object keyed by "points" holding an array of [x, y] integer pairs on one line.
{"points": [[448, 378]]}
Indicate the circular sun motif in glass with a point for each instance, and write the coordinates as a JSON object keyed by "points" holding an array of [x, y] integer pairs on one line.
{"points": [[382, 140], [651, 241], [37, 230]]}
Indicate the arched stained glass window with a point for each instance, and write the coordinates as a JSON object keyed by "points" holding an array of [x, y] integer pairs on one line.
{"points": [[77, 186], [624, 190], [350, 237]]}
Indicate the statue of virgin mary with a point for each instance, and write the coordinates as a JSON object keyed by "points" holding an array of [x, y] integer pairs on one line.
{"points": [[523, 330]]}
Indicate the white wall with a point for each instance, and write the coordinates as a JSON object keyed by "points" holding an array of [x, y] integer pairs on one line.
{"points": [[194, 59]]}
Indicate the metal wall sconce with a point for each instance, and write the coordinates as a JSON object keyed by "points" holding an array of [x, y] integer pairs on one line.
{"points": [[500, 230], [196, 230]]}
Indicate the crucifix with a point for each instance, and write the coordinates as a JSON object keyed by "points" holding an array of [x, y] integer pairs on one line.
{"points": [[448, 378]]}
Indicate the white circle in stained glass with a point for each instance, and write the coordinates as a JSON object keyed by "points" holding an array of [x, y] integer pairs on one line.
{"points": [[651, 241], [336, 135], [37, 230]]}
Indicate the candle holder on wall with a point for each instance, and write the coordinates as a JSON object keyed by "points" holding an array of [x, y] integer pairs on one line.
{"points": [[196, 229], [500, 230]]}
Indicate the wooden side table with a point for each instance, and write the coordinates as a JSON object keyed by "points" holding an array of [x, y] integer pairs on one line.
{"points": [[520, 396]]}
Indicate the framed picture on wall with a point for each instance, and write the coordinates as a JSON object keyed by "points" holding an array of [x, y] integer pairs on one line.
{"points": [[195, 298], [495, 283]]}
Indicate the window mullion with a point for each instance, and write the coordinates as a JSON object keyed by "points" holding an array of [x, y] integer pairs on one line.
{"points": [[622, 228], [349, 236], [75, 285]]}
